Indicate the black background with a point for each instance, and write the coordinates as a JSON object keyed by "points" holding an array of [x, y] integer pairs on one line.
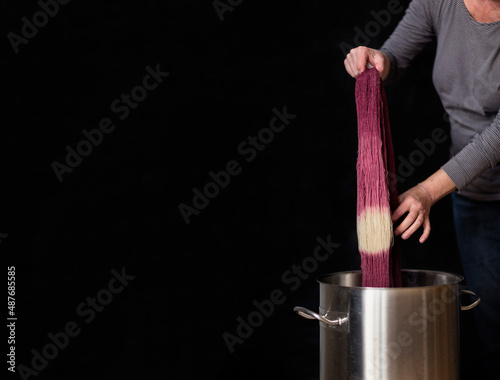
{"points": [[119, 207]]}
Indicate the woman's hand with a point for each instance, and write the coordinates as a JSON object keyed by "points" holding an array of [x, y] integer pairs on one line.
{"points": [[417, 203], [357, 59]]}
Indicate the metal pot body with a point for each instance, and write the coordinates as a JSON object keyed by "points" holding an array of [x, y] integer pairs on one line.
{"points": [[409, 333]]}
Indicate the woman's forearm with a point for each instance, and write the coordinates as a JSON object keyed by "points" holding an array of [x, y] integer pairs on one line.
{"points": [[480, 154]]}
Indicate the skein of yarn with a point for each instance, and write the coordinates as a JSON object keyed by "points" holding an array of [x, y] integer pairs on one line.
{"points": [[376, 181]]}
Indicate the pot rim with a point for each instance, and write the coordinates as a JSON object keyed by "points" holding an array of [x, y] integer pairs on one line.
{"points": [[459, 278]]}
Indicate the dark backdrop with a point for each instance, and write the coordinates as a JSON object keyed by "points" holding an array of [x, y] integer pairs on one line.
{"points": [[117, 210]]}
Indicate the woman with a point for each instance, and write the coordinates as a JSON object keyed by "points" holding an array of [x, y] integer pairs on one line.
{"points": [[466, 76]]}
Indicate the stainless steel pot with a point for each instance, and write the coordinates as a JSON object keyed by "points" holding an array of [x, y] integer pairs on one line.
{"points": [[407, 333]]}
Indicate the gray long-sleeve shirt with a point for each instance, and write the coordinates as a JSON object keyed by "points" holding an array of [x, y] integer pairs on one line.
{"points": [[466, 76]]}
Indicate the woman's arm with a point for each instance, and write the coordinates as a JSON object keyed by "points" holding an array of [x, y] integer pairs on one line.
{"points": [[481, 153], [413, 32]]}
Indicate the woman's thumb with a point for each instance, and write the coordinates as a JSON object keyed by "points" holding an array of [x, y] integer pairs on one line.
{"points": [[377, 61]]}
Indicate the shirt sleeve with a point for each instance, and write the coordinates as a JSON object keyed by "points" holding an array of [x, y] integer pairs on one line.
{"points": [[480, 154], [412, 34]]}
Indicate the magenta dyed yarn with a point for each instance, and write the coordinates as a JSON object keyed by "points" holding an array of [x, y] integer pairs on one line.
{"points": [[376, 181]]}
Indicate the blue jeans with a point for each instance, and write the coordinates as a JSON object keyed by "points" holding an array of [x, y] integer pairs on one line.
{"points": [[477, 226]]}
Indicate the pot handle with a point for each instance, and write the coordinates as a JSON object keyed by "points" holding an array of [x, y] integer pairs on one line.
{"points": [[473, 304], [309, 314]]}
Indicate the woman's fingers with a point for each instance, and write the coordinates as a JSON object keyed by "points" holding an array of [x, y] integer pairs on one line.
{"points": [[350, 68], [355, 61], [400, 211], [413, 227], [427, 230], [352, 64], [406, 223], [362, 56]]}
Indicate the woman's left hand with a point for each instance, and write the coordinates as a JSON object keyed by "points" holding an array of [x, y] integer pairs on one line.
{"points": [[417, 203]]}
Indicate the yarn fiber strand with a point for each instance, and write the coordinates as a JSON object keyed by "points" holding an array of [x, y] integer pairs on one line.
{"points": [[376, 185]]}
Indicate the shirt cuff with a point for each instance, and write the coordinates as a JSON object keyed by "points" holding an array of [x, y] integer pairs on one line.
{"points": [[456, 173]]}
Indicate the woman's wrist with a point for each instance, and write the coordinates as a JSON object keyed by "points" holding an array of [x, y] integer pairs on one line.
{"points": [[428, 192], [438, 185]]}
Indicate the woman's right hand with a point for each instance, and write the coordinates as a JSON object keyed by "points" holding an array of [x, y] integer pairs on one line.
{"points": [[357, 59]]}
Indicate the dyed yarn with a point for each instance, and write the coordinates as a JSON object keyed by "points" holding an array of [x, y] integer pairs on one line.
{"points": [[376, 181]]}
